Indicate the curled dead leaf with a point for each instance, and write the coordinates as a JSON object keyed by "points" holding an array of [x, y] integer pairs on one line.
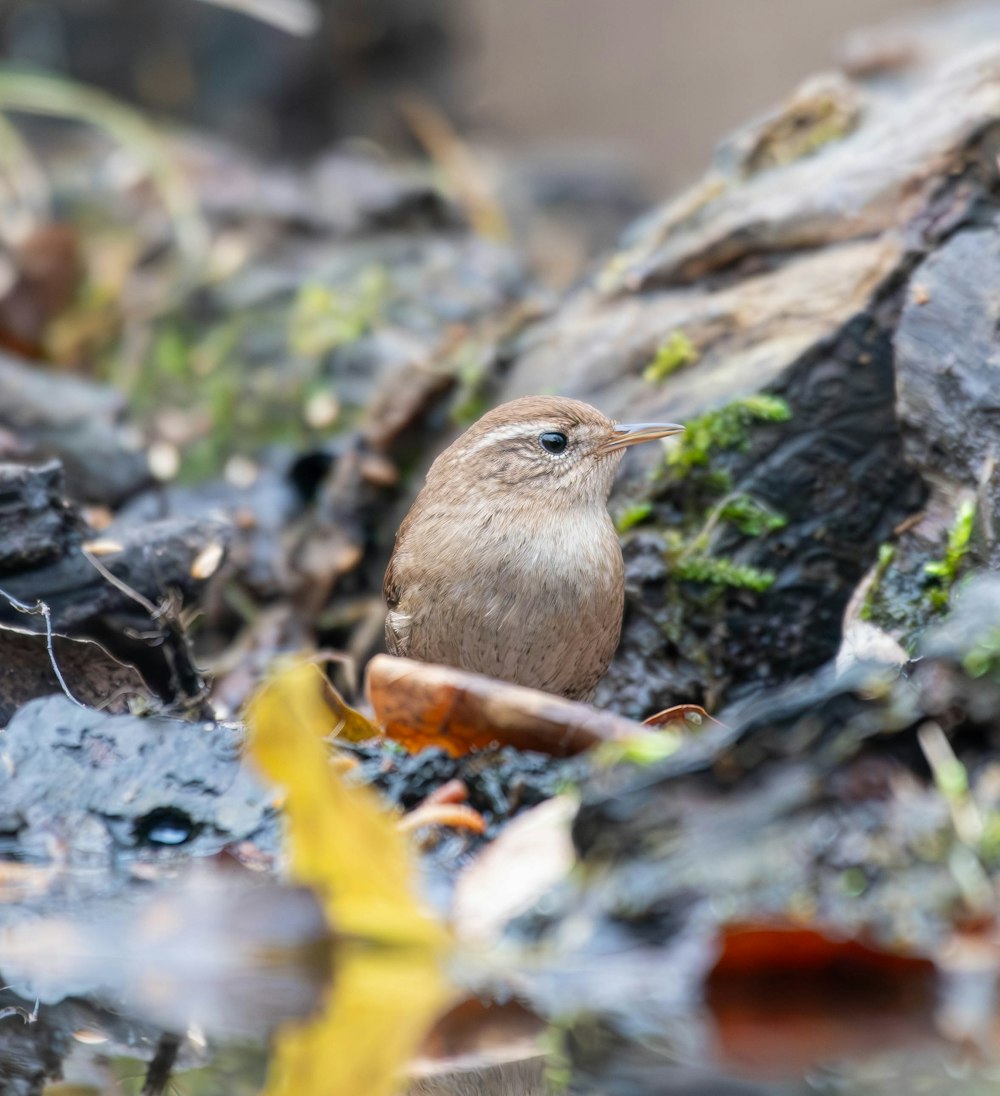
{"points": [[688, 716], [456, 815], [420, 704]]}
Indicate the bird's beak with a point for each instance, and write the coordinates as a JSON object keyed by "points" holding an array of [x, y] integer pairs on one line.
{"points": [[625, 434]]}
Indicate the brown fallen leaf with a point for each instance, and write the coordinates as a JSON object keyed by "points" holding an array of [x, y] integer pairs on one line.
{"points": [[452, 791], [689, 716], [755, 949], [783, 997], [46, 269], [420, 704], [480, 1047]]}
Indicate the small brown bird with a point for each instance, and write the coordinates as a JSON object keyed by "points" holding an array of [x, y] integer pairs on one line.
{"points": [[508, 563]]}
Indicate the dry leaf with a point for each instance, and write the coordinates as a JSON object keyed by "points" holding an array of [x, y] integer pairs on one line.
{"points": [[688, 717], [419, 704], [533, 854], [748, 950], [455, 815], [103, 547]]}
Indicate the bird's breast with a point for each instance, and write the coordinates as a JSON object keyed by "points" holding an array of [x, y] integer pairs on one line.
{"points": [[534, 602]]}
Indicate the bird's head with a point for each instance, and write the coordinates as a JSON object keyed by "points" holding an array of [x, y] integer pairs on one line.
{"points": [[544, 450]]}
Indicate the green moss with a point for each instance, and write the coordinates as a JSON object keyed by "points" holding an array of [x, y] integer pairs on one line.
{"points": [[751, 516], [724, 428], [689, 552], [324, 318], [672, 354], [171, 354], [470, 365], [941, 573], [641, 749], [886, 554], [235, 406], [808, 140], [558, 1070], [722, 572], [984, 656], [632, 516], [806, 126]]}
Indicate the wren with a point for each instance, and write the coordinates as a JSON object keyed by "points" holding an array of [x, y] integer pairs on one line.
{"points": [[508, 563]]}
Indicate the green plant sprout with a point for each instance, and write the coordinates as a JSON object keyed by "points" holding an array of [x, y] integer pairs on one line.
{"points": [[943, 572], [676, 351]]}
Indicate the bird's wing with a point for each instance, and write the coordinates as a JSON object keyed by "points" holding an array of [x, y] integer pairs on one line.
{"points": [[397, 624]]}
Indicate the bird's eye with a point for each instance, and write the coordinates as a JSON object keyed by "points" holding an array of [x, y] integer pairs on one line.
{"points": [[552, 441]]}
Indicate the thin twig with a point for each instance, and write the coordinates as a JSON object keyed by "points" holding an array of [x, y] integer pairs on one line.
{"points": [[298, 17], [42, 610], [172, 635], [16, 1010], [120, 584]]}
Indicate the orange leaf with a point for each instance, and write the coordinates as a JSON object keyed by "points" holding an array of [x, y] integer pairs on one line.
{"points": [[420, 704]]}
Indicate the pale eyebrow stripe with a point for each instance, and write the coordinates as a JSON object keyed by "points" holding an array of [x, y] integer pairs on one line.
{"points": [[507, 433]]}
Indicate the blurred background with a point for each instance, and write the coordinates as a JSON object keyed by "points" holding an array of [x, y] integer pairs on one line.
{"points": [[645, 86]]}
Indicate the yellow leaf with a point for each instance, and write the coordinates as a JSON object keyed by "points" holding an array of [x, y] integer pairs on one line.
{"points": [[387, 982], [342, 843], [381, 1004]]}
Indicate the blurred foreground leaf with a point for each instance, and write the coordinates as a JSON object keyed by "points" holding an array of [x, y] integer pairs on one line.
{"points": [[382, 1004], [387, 985], [341, 842]]}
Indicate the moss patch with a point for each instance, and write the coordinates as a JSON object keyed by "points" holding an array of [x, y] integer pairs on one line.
{"points": [[632, 516], [699, 479], [913, 583], [751, 516], [886, 554], [724, 428], [722, 572], [674, 353], [941, 573], [323, 317]]}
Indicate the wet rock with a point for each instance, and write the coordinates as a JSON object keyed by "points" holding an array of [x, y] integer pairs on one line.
{"points": [[949, 410], [947, 361], [824, 806], [93, 787], [258, 515]]}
